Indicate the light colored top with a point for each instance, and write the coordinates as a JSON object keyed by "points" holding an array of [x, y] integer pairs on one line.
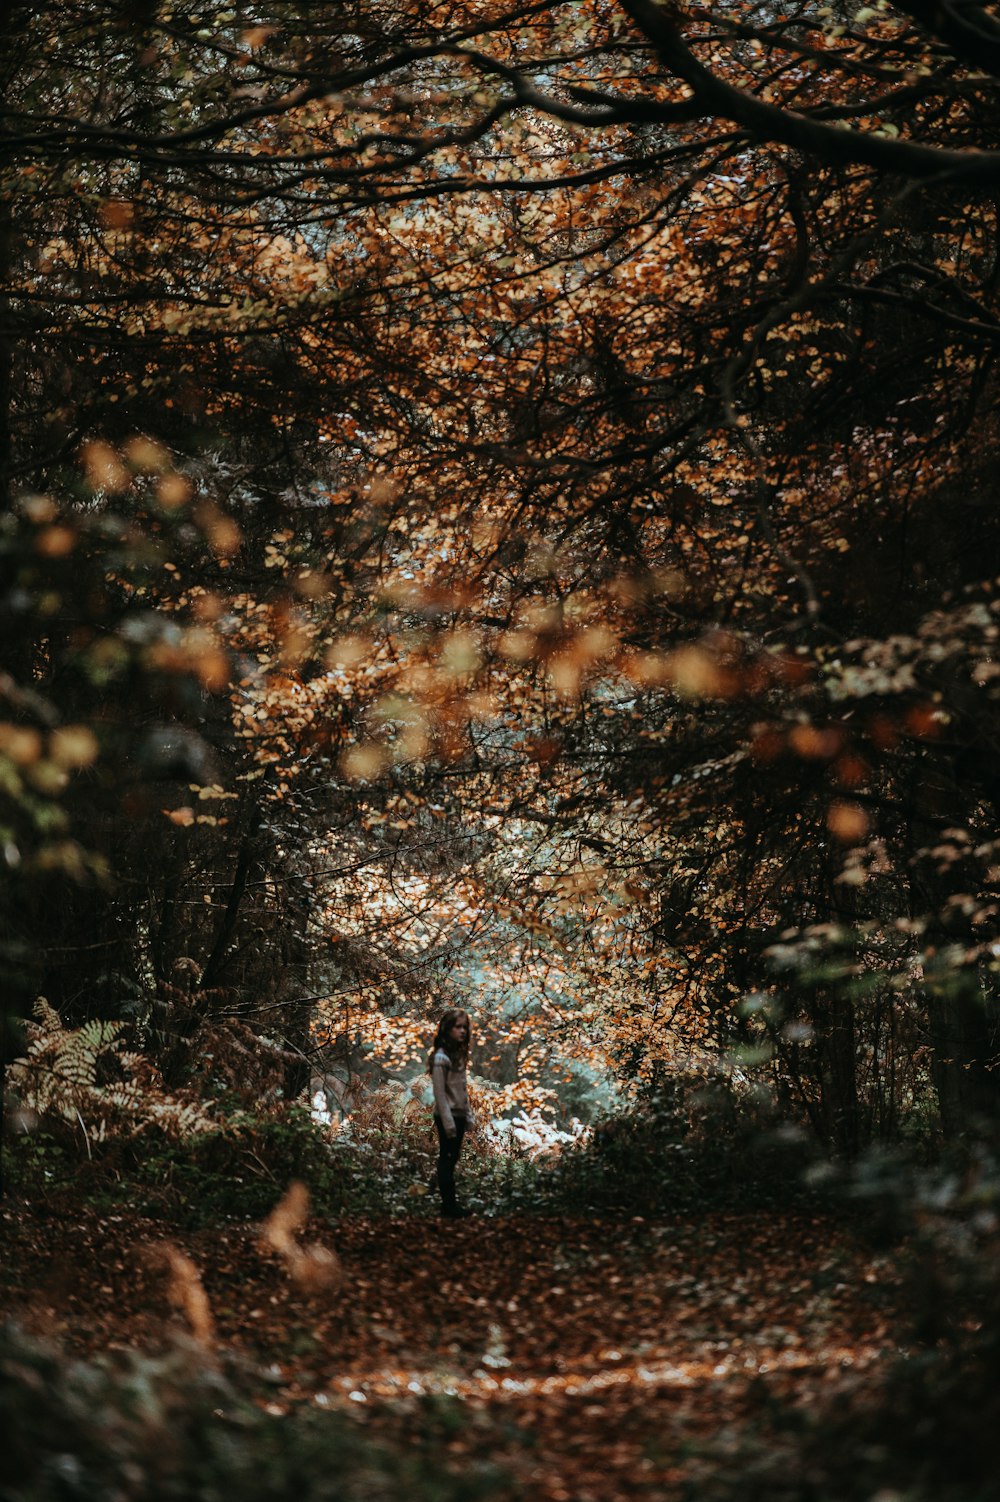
{"points": [[451, 1091]]}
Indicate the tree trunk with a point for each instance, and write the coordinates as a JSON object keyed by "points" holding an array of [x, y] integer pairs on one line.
{"points": [[837, 1050], [965, 1035]]}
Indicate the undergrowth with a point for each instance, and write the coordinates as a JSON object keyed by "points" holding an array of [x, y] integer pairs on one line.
{"points": [[680, 1151], [685, 1149], [178, 1428]]}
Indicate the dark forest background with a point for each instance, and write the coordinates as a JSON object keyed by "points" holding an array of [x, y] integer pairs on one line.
{"points": [[499, 510]]}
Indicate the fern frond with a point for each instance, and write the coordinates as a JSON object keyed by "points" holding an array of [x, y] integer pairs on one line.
{"points": [[58, 1076], [181, 1118], [49, 1021], [80, 1048]]}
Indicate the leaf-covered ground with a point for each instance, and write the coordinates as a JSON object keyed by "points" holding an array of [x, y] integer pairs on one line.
{"points": [[588, 1358]]}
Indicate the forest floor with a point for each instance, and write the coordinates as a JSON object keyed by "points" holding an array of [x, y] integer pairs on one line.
{"points": [[588, 1359]]}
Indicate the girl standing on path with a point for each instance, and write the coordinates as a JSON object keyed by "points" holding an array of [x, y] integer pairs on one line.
{"points": [[448, 1061]]}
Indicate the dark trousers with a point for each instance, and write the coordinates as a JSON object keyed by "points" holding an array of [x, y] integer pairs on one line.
{"points": [[449, 1149]]}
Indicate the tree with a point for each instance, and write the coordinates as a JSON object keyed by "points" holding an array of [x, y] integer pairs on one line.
{"points": [[553, 423]]}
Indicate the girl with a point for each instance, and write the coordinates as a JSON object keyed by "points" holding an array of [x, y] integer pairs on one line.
{"points": [[448, 1060]]}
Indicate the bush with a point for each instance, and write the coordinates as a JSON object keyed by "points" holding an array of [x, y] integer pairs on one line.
{"points": [[173, 1428], [693, 1143], [235, 1173]]}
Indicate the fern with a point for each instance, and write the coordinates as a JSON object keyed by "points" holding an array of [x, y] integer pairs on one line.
{"points": [[60, 1076]]}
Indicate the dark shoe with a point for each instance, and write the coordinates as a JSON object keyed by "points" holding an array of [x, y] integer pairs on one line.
{"points": [[456, 1212]]}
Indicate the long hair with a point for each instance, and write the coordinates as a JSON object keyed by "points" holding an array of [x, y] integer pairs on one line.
{"points": [[457, 1053]]}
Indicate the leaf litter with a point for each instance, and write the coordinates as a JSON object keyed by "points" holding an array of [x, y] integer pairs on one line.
{"points": [[587, 1358]]}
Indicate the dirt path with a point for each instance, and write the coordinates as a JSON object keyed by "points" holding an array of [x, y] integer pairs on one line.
{"points": [[591, 1359]]}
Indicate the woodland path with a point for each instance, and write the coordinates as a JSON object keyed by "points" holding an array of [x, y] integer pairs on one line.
{"points": [[590, 1359]]}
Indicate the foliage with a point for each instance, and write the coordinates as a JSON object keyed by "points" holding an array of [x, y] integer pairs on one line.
{"points": [[233, 1173], [88, 1075], [178, 1426], [383, 1162], [641, 680], [177, 1156], [699, 1142]]}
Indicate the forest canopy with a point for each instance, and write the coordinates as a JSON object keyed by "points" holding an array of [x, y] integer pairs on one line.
{"points": [[498, 511]]}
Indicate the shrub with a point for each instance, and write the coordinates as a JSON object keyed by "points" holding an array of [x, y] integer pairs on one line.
{"points": [[234, 1172], [237, 1172], [693, 1143], [173, 1428]]}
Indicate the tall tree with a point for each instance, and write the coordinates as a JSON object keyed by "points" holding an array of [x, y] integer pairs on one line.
{"points": [[560, 418]]}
